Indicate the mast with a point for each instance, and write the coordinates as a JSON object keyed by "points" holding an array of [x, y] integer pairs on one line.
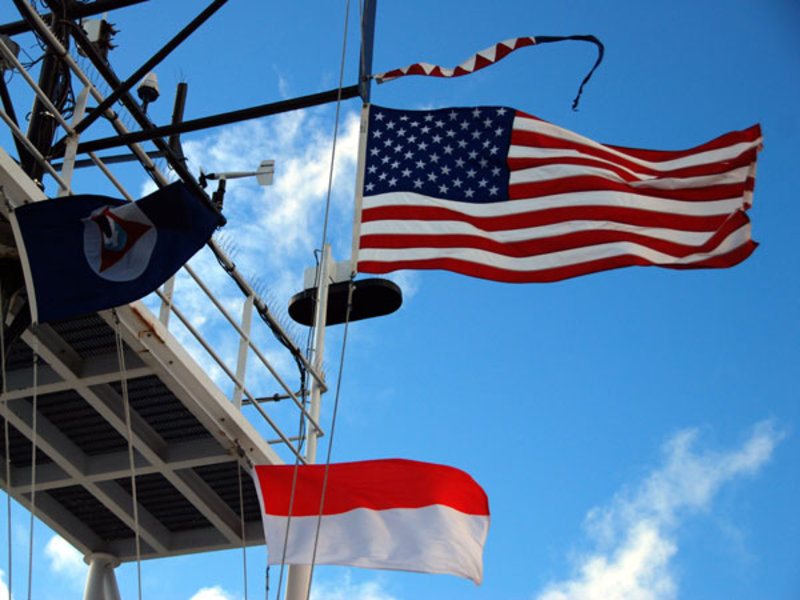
{"points": [[298, 584]]}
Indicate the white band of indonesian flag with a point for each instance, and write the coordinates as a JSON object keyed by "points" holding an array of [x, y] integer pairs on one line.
{"points": [[379, 514]]}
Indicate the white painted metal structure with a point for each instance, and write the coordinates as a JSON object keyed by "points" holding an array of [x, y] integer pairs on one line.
{"points": [[192, 440]]}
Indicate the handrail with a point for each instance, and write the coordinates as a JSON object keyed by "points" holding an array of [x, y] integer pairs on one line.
{"points": [[243, 286], [253, 347]]}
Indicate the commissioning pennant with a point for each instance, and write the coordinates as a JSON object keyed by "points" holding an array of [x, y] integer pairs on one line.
{"points": [[495, 193], [379, 514]]}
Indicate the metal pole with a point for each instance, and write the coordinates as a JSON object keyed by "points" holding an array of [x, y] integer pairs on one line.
{"points": [[72, 141], [299, 576], [235, 116], [367, 39], [101, 583], [76, 11], [137, 75], [244, 346], [318, 349]]}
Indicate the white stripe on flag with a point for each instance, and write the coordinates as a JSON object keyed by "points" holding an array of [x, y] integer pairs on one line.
{"points": [[573, 256], [590, 198], [431, 539], [413, 227]]}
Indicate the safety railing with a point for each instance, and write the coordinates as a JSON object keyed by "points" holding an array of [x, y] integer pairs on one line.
{"points": [[250, 355]]}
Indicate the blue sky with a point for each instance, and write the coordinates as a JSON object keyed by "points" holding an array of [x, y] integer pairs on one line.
{"points": [[636, 430]]}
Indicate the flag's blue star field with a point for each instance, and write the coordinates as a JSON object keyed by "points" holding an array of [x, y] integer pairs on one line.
{"points": [[453, 153]]}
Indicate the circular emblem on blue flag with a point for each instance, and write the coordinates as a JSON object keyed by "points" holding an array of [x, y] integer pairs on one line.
{"points": [[118, 242]]}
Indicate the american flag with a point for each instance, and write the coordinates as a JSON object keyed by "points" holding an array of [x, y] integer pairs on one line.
{"points": [[495, 193]]}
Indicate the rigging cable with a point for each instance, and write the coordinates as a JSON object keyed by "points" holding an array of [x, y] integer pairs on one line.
{"points": [[316, 299], [347, 316], [288, 519], [7, 443], [351, 287], [129, 434], [33, 459], [240, 453]]}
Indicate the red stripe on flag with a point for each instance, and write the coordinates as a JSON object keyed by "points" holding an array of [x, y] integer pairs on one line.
{"points": [[550, 216], [535, 139], [749, 135], [593, 183], [745, 159], [376, 484], [485, 271], [559, 243]]}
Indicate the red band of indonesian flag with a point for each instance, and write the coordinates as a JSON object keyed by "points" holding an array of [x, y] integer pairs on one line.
{"points": [[379, 514]]}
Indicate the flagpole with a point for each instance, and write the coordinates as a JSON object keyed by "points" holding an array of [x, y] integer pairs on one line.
{"points": [[362, 149], [298, 578], [298, 584]]}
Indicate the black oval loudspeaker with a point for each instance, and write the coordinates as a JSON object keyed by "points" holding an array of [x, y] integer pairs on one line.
{"points": [[371, 298]]}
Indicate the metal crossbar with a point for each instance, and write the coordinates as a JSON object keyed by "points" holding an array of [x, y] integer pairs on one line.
{"points": [[245, 288]]}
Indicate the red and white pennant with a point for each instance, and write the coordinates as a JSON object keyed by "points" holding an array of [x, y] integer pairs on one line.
{"points": [[482, 59]]}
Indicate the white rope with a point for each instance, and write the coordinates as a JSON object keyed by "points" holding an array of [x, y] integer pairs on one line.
{"points": [[335, 127], [33, 462], [318, 283], [241, 518], [288, 519], [7, 449], [333, 431], [131, 458]]}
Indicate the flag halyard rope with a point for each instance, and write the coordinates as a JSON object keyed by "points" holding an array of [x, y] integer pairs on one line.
{"points": [[34, 441], [7, 443], [350, 289], [240, 454], [131, 458], [316, 299]]}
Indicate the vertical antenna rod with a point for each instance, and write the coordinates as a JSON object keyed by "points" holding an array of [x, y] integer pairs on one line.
{"points": [[367, 39]]}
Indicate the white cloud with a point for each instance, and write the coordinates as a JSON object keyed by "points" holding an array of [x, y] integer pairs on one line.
{"points": [[65, 559], [409, 282], [212, 593], [344, 589], [271, 232], [3, 586], [282, 221], [635, 535]]}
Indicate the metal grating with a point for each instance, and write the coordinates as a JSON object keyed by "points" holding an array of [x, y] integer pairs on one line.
{"points": [[151, 399], [86, 508], [88, 336], [165, 503], [186, 459], [224, 481], [80, 423], [20, 449]]}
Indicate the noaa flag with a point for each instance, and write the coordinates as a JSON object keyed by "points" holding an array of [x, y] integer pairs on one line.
{"points": [[85, 253]]}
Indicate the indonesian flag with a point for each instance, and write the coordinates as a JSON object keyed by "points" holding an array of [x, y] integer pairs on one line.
{"points": [[379, 514]]}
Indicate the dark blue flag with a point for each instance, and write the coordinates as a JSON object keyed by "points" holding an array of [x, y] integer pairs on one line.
{"points": [[87, 253]]}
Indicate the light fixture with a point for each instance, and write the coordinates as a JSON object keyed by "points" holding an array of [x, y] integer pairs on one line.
{"points": [[148, 90]]}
